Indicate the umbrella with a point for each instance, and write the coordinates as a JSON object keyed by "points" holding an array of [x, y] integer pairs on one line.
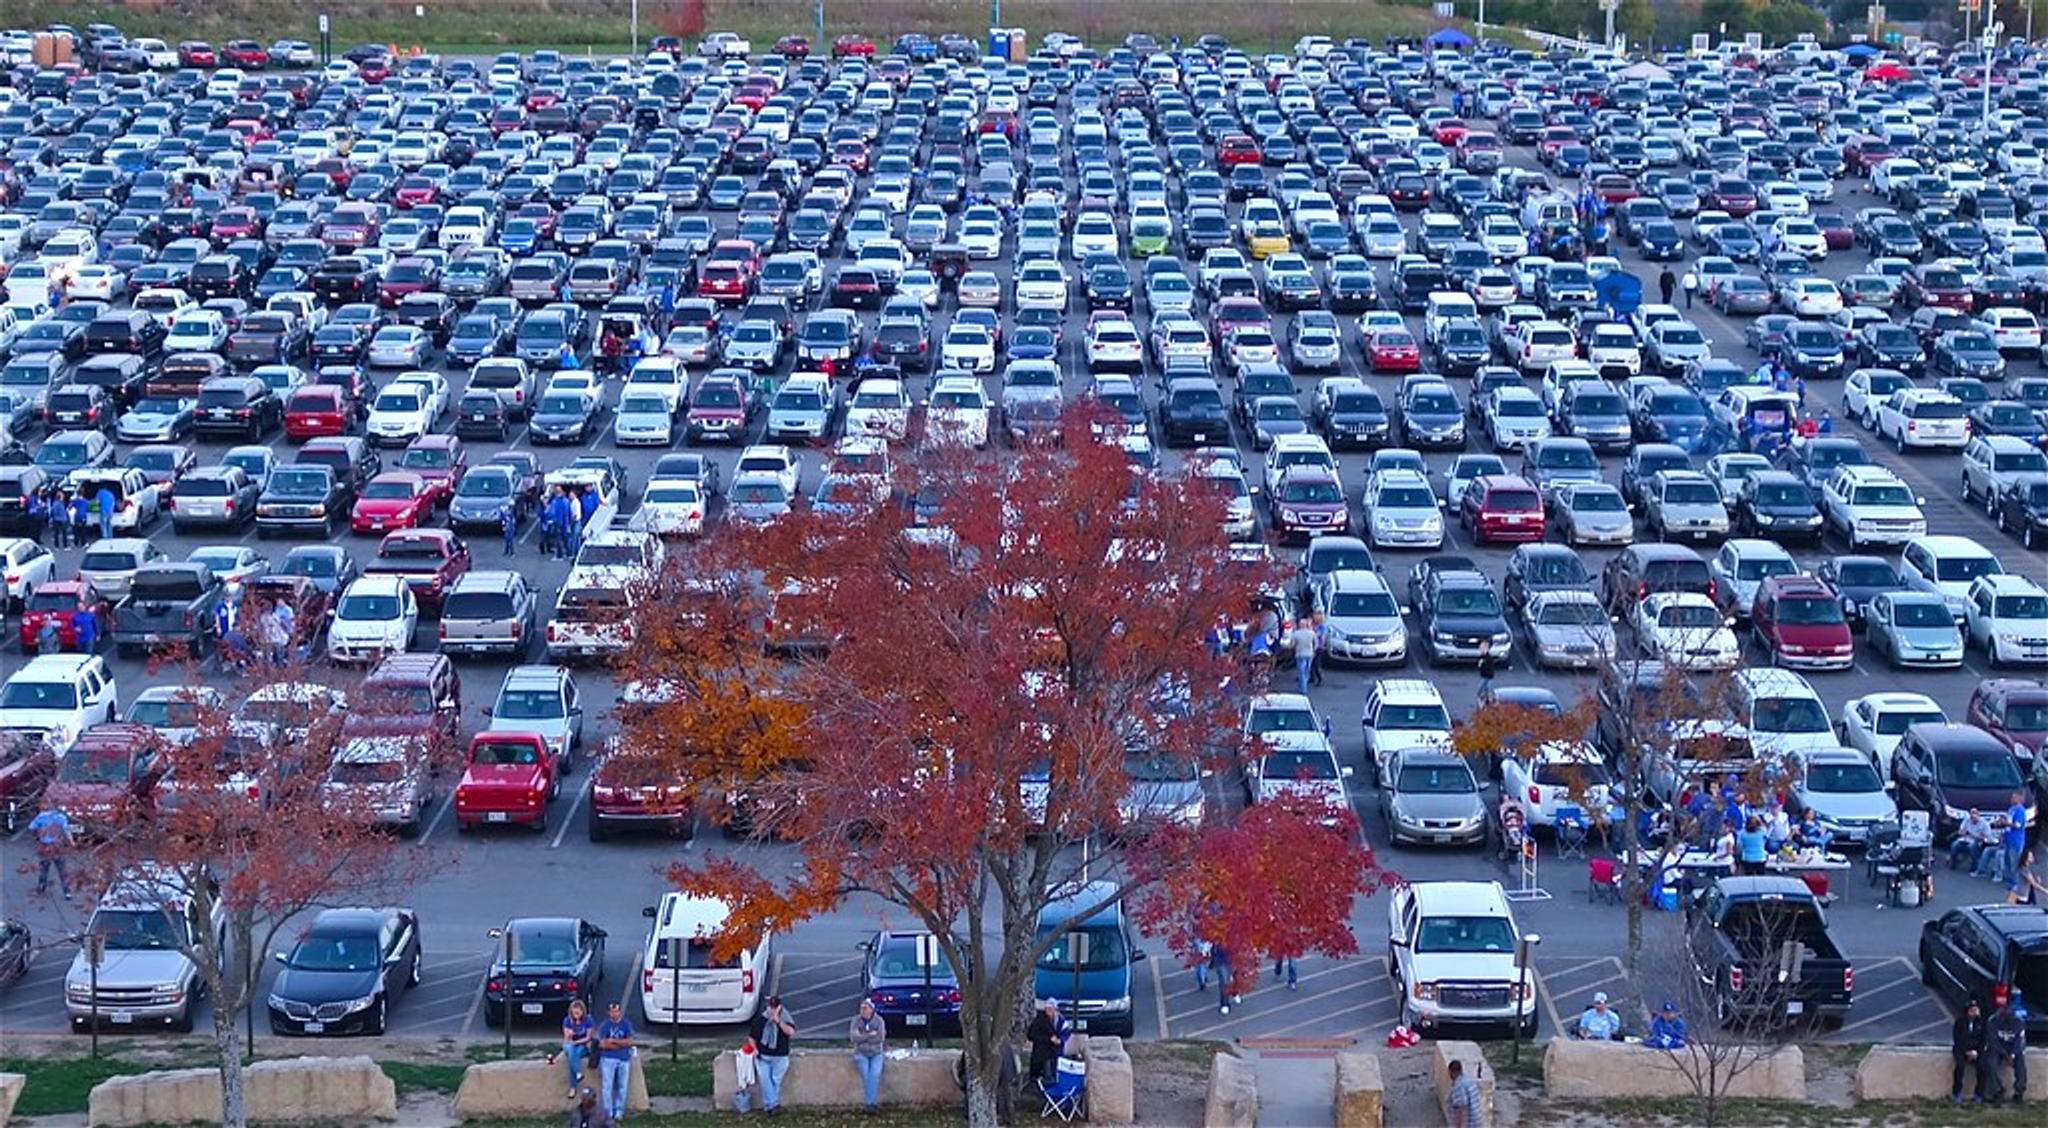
{"points": [[1859, 50], [1449, 37], [1885, 72]]}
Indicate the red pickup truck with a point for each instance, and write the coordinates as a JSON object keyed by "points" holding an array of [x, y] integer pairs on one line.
{"points": [[428, 559], [109, 776], [509, 779]]}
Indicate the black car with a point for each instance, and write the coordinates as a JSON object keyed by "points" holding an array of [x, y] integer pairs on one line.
{"points": [[1776, 505], [1353, 417], [1885, 344], [1984, 953], [541, 964], [563, 417], [1109, 287], [2022, 508], [920, 999], [1858, 580], [237, 405], [1459, 614], [1967, 353], [342, 975], [302, 498], [1645, 569], [1813, 351], [1191, 412]]}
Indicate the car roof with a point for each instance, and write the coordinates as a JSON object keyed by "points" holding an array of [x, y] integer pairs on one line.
{"points": [[1460, 898], [1415, 691]]}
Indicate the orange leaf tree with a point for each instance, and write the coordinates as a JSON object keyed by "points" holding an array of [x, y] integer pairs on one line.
{"points": [[243, 824], [939, 718]]}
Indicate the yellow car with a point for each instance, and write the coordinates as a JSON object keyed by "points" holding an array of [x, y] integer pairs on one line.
{"points": [[1263, 241]]}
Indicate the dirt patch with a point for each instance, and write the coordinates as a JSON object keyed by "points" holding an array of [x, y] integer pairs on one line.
{"points": [[1170, 1080]]}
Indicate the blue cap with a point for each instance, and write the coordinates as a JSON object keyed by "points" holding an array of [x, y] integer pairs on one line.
{"points": [[1670, 1005]]}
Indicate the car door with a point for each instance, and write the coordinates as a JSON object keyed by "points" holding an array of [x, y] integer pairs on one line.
{"points": [[391, 948], [590, 946], [1910, 770]]}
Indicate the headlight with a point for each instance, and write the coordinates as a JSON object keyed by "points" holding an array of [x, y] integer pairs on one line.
{"points": [[277, 1002], [1118, 1004], [364, 1003], [79, 991], [1443, 636]]}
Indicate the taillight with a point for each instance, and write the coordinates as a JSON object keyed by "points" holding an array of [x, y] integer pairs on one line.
{"points": [[494, 985], [1643, 591], [1848, 980], [568, 985], [1535, 796], [1713, 588], [647, 980], [747, 981], [1735, 979]]}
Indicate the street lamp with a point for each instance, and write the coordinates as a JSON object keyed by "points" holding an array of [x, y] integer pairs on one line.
{"points": [[1525, 981]]}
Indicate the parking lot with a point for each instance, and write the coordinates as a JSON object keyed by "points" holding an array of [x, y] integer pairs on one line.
{"points": [[479, 881]]}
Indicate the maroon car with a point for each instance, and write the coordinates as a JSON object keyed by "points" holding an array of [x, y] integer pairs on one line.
{"points": [[720, 409], [1309, 502], [2015, 711]]}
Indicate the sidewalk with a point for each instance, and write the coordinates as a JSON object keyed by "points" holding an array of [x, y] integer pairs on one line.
{"points": [[1297, 1088]]}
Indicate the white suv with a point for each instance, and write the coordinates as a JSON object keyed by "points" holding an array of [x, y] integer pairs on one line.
{"points": [[2008, 616], [1923, 417], [1992, 462], [1870, 505], [1451, 949], [58, 696], [1946, 566], [1403, 713]]}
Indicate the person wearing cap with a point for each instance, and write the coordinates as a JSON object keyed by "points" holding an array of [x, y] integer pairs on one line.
{"points": [[1048, 1039], [615, 1059], [588, 1113], [1598, 1024], [771, 1032], [1966, 1046], [1667, 1028], [2006, 1034]]}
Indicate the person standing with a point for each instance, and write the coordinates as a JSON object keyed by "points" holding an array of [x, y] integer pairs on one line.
{"points": [[49, 636], [105, 503], [558, 516], [2024, 886], [1047, 1036], [1285, 964], [52, 831], [2015, 837], [81, 514], [2006, 1031], [1488, 666], [587, 503], [578, 1031], [772, 1031], [868, 1032], [1666, 283], [1303, 641], [58, 507], [1315, 669], [85, 629], [1752, 846], [1462, 1107], [615, 1058], [1966, 1049], [508, 521], [1691, 285], [38, 512]]}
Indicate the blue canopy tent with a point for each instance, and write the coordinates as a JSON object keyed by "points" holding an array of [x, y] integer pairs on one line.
{"points": [[1449, 37], [1860, 50]]}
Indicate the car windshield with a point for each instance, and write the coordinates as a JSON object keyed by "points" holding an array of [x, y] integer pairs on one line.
{"points": [[1788, 715], [388, 490], [610, 555], [1443, 780], [1843, 779], [1314, 492], [1464, 935], [529, 705], [1265, 720], [543, 944], [135, 930], [1568, 458], [1426, 717], [1596, 501], [364, 608], [1103, 951], [485, 485], [1692, 616], [1977, 770], [116, 561], [1691, 493], [1761, 570], [1363, 604], [1573, 614], [1963, 569], [2021, 607], [337, 951], [759, 493], [1896, 722], [1407, 497], [1814, 612], [17, 694]]}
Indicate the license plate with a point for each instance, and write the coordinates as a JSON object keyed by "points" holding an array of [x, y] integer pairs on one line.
{"points": [[1795, 1007], [698, 988], [916, 1019], [1440, 839], [495, 816], [1202, 437], [121, 1018], [1080, 1024], [529, 1008], [316, 1028]]}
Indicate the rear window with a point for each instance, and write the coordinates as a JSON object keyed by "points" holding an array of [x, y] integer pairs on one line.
{"points": [[1514, 501], [1677, 574], [478, 605]]}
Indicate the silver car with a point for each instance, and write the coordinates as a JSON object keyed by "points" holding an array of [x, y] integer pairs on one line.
{"points": [[1684, 504], [110, 565], [801, 410], [1593, 513], [757, 498], [381, 779], [1163, 789], [644, 418], [1361, 619], [1845, 794], [1914, 630], [1432, 798], [1568, 628]]}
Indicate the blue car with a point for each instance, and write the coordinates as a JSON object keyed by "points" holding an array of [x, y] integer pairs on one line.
{"points": [[921, 999]]}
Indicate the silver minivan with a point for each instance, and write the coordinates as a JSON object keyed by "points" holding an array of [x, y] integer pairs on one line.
{"points": [[488, 612]]}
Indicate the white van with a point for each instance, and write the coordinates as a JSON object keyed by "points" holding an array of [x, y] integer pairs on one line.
{"points": [[698, 988], [1782, 712]]}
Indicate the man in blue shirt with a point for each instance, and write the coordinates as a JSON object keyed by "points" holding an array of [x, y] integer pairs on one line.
{"points": [[105, 501], [52, 833], [85, 625], [1667, 1029], [1598, 1024], [2015, 837], [561, 521], [615, 1058], [81, 513]]}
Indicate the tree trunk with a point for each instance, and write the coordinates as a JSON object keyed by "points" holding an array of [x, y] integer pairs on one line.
{"points": [[228, 1057], [983, 1096]]}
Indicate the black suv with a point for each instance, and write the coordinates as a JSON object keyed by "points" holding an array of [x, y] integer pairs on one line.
{"points": [[1459, 613], [1192, 412], [125, 331], [218, 276], [237, 405], [301, 497], [2022, 508], [1776, 505], [1644, 569]]}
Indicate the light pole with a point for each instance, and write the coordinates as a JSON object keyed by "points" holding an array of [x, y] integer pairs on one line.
{"points": [[1525, 979], [636, 28], [1992, 30], [1482, 21]]}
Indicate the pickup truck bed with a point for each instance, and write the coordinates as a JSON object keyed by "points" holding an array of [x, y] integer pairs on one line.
{"points": [[1763, 943]]}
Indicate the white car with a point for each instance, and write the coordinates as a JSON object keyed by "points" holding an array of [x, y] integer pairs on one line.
{"points": [[1401, 511], [2007, 615], [1870, 505], [1922, 418], [1812, 297], [57, 697], [27, 566], [1555, 775], [1114, 343], [644, 418], [878, 406], [770, 459], [1289, 753], [957, 413], [1463, 933], [1042, 284], [969, 348], [96, 282], [1874, 723], [671, 507], [197, 330], [399, 414], [375, 616], [1402, 714], [1947, 566], [1094, 233], [704, 990], [1686, 630]]}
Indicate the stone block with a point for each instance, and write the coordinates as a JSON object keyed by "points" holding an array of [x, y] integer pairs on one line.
{"points": [[295, 1090], [1604, 1070], [1111, 1087], [1361, 1093], [10, 1092], [1922, 1073], [1233, 1094], [826, 1079], [531, 1087], [1473, 1060]]}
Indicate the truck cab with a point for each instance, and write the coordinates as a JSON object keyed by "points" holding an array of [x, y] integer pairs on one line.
{"points": [[509, 778]]}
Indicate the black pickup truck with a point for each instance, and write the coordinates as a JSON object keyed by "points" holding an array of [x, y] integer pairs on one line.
{"points": [[1763, 945], [170, 605]]}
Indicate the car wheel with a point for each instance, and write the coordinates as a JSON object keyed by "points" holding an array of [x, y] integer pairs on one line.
{"points": [[412, 974], [1969, 495], [2027, 535], [183, 1023]]}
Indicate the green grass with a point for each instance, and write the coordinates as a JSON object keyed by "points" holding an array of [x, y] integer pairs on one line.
{"points": [[688, 1076], [61, 1085], [429, 1077], [485, 26]]}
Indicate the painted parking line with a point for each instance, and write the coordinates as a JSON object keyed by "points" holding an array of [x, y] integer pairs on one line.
{"points": [[447, 805], [569, 819]]}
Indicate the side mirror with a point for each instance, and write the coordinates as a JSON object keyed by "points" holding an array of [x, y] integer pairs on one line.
{"points": [[1138, 954], [648, 912], [1347, 771], [1398, 941], [281, 957]]}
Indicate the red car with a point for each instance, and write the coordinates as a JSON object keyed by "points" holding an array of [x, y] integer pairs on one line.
{"points": [[1502, 507], [407, 276], [1237, 149], [1393, 350], [416, 191], [1736, 197], [1450, 131], [850, 44], [1934, 284], [1799, 622], [392, 500], [316, 412], [725, 282], [439, 460], [793, 47], [630, 793], [719, 409], [110, 774], [851, 154], [246, 54], [428, 559], [1238, 313], [1308, 502], [1614, 188], [509, 778], [237, 223], [374, 71], [62, 600], [2012, 709], [195, 53]]}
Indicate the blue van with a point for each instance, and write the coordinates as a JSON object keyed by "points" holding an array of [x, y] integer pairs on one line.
{"points": [[1095, 991]]}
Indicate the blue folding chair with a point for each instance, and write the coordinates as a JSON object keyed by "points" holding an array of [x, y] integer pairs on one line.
{"points": [[1571, 826], [1067, 1093]]}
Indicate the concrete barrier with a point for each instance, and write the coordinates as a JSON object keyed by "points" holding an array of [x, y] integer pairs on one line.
{"points": [[1112, 1089], [1922, 1073], [1473, 1060], [10, 1092], [1361, 1093], [1603, 1070], [1233, 1094], [826, 1079], [532, 1087], [296, 1090]]}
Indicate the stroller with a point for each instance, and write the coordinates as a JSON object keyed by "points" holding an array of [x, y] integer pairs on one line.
{"points": [[1900, 855]]}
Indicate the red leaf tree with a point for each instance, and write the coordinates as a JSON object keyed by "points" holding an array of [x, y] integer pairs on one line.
{"points": [[948, 728]]}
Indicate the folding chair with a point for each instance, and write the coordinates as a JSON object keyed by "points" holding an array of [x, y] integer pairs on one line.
{"points": [[1603, 880], [1571, 832], [1066, 1094]]}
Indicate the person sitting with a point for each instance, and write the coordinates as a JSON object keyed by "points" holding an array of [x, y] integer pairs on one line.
{"points": [[1598, 1024], [1971, 839], [1809, 834], [1777, 828], [1667, 1028], [1826, 426]]}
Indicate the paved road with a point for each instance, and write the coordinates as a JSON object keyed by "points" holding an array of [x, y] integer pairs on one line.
{"points": [[480, 880]]}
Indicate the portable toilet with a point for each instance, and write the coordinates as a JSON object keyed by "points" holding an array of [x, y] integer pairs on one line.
{"points": [[998, 43], [1020, 45]]}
